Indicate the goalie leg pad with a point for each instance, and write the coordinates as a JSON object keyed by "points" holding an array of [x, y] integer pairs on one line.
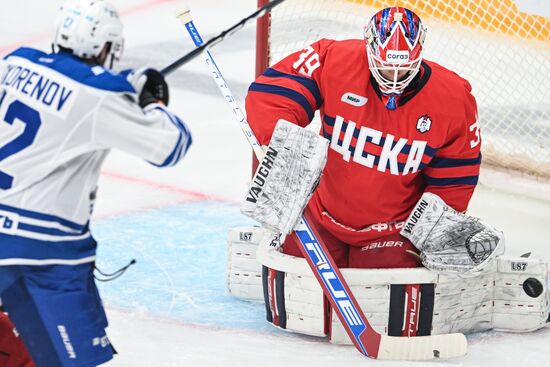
{"points": [[511, 295], [521, 297], [244, 272], [293, 298]]}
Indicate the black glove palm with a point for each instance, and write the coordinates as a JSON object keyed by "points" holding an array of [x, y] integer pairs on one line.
{"points": [[155, 89]]}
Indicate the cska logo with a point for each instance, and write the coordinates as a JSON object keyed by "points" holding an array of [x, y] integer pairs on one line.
{"points": [[424, 123]]}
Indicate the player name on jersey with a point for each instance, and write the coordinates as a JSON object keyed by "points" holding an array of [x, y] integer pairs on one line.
{"points": [[37, 86]]}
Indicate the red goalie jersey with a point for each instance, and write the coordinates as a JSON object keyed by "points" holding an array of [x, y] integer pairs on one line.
{"points": [[380, 160]]}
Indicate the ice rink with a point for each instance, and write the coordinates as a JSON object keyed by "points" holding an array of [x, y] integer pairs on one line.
{"points": [[172, 307]]}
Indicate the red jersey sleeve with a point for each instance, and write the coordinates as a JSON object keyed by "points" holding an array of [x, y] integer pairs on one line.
{"points": [[453, 172], [288, 90]]}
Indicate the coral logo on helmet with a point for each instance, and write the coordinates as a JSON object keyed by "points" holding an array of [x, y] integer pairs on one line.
{"points": [[397, 56], [424, 124]]}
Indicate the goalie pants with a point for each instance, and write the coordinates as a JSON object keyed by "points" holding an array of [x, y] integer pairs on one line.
{"points": [[388, 251], [58, 313]]}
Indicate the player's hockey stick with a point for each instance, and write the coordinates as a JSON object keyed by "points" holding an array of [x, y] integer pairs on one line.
{"points": [[367, 340], [220, 37]]}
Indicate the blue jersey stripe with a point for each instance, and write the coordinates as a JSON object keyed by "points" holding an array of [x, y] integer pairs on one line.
{"points": [[438, 162], [15, 247], [182, 145], [285, 92], [310, 84], [449, 181], [45, 217]]}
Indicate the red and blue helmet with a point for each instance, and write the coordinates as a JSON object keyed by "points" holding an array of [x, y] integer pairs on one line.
{"points": [[394, 39]]}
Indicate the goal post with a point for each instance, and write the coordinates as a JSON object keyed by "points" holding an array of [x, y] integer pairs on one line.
{"points": [[504, 54]]}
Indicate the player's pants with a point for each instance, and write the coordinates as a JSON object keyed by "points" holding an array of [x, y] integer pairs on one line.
{"points": [[389, 251], [58, 313]]}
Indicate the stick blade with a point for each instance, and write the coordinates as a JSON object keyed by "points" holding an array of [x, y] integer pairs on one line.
{"points": [[422, 348]]}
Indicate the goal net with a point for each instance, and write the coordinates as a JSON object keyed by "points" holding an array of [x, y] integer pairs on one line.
{"points": [[504, 54]]}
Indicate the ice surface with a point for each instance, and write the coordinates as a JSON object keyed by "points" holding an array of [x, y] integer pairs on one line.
{"points": [[172, 307]]}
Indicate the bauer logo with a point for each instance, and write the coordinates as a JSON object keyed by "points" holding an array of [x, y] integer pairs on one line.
{"points": [[398, 57], [382, 244], [66, 341], [354, 99], [519, 266]]}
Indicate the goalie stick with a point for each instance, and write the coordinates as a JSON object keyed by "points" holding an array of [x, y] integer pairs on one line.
{"points": [[367, 340]]}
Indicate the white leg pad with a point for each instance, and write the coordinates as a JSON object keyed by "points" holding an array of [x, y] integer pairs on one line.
{"points": [[302, 304], [244, 272], [517, 307], [495, 300]]}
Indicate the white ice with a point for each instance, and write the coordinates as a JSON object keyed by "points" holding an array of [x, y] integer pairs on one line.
{"points": [[173, 310]]}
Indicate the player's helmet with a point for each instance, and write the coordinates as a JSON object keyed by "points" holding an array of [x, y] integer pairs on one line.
{"points": [[394, 39], [86, 26]]}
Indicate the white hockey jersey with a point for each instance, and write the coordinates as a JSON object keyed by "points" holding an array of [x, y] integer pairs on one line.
{"points": [[59, 118]]}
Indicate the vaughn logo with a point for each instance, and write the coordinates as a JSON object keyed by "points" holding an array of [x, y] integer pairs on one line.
{"points": [[354, 99], [415, 216], [259, 180], [424, 124]]}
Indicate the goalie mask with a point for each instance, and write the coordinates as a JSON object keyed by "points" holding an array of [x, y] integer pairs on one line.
{"points": [[84, 27], [394, 39]]}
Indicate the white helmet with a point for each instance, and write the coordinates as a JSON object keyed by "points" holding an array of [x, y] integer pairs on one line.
{"points": [[86, 26]]}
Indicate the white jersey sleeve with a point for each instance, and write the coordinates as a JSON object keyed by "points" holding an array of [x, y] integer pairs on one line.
{"points": [[153, 133]]}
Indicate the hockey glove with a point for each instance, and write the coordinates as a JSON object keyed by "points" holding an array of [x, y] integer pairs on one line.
{"points": [[150, 86], [450, 241]]}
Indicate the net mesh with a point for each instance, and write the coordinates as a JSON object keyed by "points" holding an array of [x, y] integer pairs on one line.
{"points": [[504, 54]]}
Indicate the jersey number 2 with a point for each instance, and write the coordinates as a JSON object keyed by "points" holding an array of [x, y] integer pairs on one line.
{"points": [[31, 119]]}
